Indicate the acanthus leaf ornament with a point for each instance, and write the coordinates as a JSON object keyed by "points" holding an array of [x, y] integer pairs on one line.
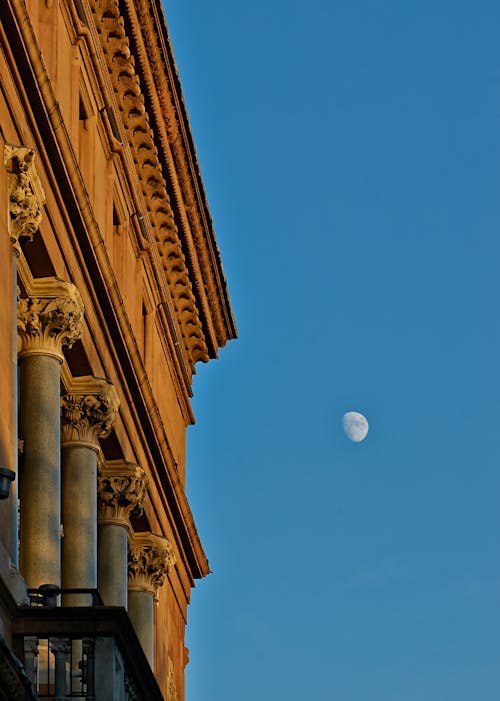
{"points": [[50, 319], [88, 411], [122, 488], [151, 557]]}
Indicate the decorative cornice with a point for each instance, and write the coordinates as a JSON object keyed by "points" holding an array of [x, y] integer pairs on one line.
{"points": [[150, 559], [160, 77], [121, 66], [88, 411], [26, 195], [50, 319], [122, 488]]}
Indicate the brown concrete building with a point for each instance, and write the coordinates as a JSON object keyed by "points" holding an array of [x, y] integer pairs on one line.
{"points": [[112, 290]]}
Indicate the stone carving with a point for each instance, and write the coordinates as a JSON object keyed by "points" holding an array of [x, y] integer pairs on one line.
{"points": [[150, 559], [60, 646], [188, 184], [121, 65], [88, 411], [121, 487], [26, 195], [171, 688], [50, 319]]}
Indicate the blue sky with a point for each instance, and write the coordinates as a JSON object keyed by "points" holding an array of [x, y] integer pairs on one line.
{"points": [[350, 153]]}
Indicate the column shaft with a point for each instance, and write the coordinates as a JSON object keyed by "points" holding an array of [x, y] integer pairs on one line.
{"points": [[112, 558], [79, 518], [141, 613], [39, 484], [14, 488]]}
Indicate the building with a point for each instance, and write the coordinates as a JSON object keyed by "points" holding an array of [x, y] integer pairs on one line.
{"points": [[112, 290]]}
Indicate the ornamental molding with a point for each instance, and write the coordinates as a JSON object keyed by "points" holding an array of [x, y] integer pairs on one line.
{"points": [[150, 559], [25, 192], [50, 318], [88, 412], [140, 136], [121, 487], [155, 57]]}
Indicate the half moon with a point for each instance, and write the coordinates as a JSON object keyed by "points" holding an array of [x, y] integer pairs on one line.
{"points": [[355, 426]]}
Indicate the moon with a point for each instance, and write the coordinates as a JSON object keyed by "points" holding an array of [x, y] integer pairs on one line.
{"points": [[355, 426]]}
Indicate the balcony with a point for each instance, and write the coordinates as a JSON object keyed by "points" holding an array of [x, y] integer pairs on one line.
{"points": [[81, 652]]}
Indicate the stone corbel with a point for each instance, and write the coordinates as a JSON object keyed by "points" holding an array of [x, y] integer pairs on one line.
{"points": [[88, 412], [26, 194], [122, 488], [50, 319], [151, 557]]}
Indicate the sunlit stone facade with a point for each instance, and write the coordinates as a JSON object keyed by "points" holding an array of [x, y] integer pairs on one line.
{"points": [[112, 290]]}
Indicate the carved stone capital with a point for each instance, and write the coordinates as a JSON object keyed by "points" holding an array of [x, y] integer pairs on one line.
{"points": [[150, 558], [60, 646], [88, 411], [26, 195], [121, 487], [50, 318]]}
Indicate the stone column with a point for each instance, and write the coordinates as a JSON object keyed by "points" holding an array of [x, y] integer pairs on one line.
{"points": [[150, 559], [26, 199], [88, 413], [47, 321], [121, 488]]}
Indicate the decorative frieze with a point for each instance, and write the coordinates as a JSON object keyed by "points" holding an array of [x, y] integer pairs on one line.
{"points": [[121, 487], [50, 319], [151, 557], [88, 411], [26, 195]]}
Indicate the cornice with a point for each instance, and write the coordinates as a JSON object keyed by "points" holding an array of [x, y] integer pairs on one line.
{"points": [[164, 95], [126, 83]]}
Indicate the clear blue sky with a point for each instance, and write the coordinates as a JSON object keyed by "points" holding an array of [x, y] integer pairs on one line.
{"points": [[350, 152]]}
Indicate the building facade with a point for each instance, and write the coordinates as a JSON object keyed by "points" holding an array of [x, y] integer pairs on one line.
{"points": [[112, 290]]}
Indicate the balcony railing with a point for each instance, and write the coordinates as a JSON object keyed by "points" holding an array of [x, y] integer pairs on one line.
{"points": [[81, 652]]}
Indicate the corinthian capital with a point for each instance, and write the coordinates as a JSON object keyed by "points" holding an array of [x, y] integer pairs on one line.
{"points": [[121, 487], [50, 318], [88, 411], [26, 195], [150, 558]]}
